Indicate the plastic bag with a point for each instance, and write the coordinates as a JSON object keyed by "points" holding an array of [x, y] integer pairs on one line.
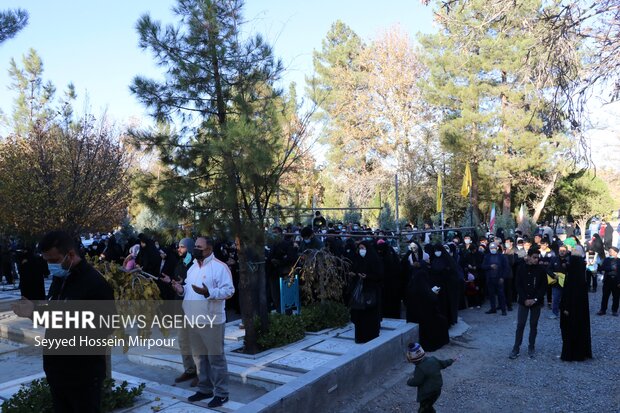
{"points": [[357, 296]]}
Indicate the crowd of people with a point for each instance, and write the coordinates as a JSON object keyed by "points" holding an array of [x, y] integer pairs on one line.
{"points": [[429, 283]]}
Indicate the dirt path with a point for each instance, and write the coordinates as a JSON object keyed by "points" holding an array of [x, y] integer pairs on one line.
{"points": [[485, 380]]}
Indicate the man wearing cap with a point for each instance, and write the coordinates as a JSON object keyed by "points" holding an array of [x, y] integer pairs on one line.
{"points": [[185, 248], [495, 266], [427, 376], [611, 282]]}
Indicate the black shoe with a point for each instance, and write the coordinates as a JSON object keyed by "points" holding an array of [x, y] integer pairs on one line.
{"points": [[200, 396], [504, 313], [218, 401], [601, 313], [514, 354], [615, 314], [531, 352], [509, 308], [490, 312]]}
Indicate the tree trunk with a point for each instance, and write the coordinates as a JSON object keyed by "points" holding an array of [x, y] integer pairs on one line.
{"points": [[475, 189], [546, 193], [506, 193], [252, 285], [582, 227]]}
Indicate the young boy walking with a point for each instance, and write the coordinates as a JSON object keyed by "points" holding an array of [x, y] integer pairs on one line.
{"points": [[426, 377]]}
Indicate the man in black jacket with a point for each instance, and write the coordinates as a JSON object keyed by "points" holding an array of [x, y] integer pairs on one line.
{"points": [[76, 381], [531, 285], [611, 282]]}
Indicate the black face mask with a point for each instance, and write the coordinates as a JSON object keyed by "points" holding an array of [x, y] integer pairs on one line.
{"points": [[198, 254]]}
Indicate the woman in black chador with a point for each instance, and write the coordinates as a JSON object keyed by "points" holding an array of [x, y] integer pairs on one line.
{"points": [[368, 266], [444, 275], [392, 286], [575, 313], [423, 308]]}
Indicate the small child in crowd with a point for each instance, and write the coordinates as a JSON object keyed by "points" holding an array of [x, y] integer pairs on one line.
{"points": [[426, 377]]}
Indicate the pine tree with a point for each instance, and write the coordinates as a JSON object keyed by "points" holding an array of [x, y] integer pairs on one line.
{"points": [[236, 134], [482, 81], [11, 22]]}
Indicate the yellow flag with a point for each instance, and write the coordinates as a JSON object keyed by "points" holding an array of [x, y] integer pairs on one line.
{"points": [[466, 187], [439, 194]]}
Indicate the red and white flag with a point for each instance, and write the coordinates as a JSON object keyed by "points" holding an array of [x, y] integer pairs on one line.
{"points": [[492, 220]]}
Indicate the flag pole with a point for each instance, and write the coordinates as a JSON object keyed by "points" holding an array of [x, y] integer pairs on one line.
{"points": [[443, 176]]}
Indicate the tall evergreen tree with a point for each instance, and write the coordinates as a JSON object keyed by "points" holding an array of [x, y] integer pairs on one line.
{"points": [[11, 22], [236, 133], [494, 113]]}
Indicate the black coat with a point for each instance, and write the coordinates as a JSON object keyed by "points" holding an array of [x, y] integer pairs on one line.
{"points": [[84, 283], [392, 284], [575, 314], [149, 258], [444, 274], [423, 308], [367, 321], [32, 272], [611, 270], [531, 282]]}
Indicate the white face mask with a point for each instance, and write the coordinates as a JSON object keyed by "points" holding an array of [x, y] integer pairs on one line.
{"points": [[507, 245], [467, 241], [437, 253], [520, 247], [493, 251], [362, 253]]}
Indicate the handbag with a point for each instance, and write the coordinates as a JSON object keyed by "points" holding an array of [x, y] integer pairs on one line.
{"points": [[360, 299]]}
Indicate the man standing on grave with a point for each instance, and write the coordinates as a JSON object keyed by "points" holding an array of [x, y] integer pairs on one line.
{"points": [[207, 287]]}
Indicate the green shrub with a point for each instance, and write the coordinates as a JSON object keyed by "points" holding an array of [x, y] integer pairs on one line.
{"points": [[320, 316], [36, 397], [283, 329]]}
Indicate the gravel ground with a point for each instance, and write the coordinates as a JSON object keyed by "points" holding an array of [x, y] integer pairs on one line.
{"points": [[484, 379]]}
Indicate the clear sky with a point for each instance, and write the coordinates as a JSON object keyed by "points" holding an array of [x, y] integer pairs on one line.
{"points": [[94, 44]]}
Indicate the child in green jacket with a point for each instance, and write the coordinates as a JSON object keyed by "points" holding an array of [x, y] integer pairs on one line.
{"points": [[426, 377]]}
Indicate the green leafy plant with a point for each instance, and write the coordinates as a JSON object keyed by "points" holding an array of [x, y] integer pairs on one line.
{"points": [[36, 397], [328, 314], [283, 329], [116, 397]]}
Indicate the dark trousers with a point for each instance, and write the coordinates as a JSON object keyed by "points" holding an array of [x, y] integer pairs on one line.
{"points": [[508, 290], [495, 287], [534, 313], [426, 405], [610, 288], [591, 279], [77, 398], [274, 291]]}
